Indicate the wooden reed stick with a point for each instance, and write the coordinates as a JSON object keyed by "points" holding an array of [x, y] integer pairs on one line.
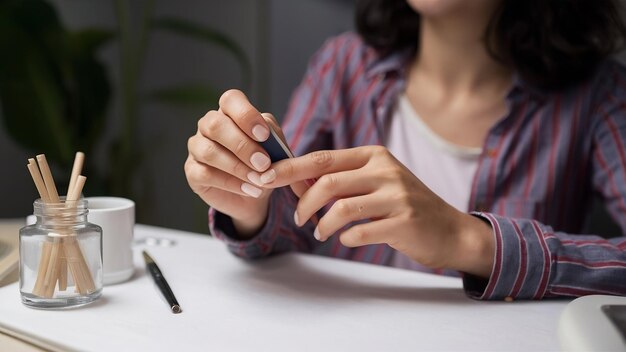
{"points": [[74, 195], [43, 268], [79, 160], [47, 178], [52, 272], [62, 276], [41, 187], [40, 288], [63, 272], [76, 170], [73, 268], [78, 265], [73, 253], [44, 275]]}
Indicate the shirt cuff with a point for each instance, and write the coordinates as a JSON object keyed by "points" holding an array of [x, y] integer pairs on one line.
{"points": [[522, 264]]}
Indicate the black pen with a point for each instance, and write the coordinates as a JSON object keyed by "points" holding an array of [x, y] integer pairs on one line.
{"points": [[159, 279]]}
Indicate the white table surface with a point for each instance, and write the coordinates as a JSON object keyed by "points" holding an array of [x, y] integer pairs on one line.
{"points": [[286, 303]]}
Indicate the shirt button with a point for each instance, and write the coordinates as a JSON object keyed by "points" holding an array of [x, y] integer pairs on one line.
{"points": [[482, 207], [491, 152]]}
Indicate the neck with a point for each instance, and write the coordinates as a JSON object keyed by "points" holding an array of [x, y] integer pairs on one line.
{"points": [[453, 55]]}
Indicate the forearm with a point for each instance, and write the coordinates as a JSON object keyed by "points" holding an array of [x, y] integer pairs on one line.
{"points": [[531, 261]]}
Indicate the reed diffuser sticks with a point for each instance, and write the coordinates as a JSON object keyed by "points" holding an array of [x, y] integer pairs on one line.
{"points": [[61, 251]]}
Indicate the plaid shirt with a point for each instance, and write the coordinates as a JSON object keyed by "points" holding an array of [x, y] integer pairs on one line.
{"points": [[540, 167]]}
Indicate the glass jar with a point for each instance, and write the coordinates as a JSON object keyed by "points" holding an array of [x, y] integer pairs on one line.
{"points": [[60, 256]]}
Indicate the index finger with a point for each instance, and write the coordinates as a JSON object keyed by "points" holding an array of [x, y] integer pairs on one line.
{"points": [[236, 105], [312, 166]]}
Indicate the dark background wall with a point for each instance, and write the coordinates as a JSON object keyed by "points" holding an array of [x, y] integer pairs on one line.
{"points": [[278, 36]]}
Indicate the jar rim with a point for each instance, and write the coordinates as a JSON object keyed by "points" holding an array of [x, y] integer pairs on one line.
{"points": [[62, 200], [40, 207]]}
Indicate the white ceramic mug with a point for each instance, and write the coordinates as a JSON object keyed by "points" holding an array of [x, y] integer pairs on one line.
{"points": [[116, 216]]}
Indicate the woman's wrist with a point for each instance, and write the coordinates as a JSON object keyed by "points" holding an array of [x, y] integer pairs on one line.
{"points": [[475, 247], [248, 228], [250, 223]]}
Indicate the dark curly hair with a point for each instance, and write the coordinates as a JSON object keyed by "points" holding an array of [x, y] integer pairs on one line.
{"points": [[551, 43]]}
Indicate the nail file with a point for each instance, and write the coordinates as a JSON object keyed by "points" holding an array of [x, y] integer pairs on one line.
{"points": [[276, 148]]}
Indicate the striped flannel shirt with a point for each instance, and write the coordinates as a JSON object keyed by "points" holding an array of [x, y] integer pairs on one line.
{"points": [[540, 167]]}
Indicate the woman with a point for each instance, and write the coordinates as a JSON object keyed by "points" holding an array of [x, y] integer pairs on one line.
{"points": [[450, 134]]}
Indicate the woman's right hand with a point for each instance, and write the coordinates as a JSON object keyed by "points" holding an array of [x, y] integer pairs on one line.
{"points": [[225, 161]]}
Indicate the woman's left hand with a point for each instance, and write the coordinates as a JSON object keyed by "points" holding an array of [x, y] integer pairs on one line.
{"points": [[369, 183]]}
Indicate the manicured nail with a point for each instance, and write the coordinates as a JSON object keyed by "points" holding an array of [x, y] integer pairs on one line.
{"points": [[255, 178], [250, 190], [260, 161], [296, 219], [316, 234], [260, 132], [268, 176]]}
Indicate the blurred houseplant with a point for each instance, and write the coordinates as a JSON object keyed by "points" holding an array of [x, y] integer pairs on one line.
{"points": [[54, 91]]}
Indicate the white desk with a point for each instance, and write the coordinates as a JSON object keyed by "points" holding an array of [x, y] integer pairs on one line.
{"points": [[288, 303]]}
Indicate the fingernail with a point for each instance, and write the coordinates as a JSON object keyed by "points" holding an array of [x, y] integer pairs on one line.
{"points": [[296, 219], [316, 234], [260, 132], [260, 161], [255, 178], [268, 176], [250, 190]]}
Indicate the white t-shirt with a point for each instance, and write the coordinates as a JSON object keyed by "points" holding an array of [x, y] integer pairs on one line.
{"points": [[445, 168]]}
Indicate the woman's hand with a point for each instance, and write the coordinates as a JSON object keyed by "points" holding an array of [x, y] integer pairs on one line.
{"points": [[369, 183], [225, 161]]}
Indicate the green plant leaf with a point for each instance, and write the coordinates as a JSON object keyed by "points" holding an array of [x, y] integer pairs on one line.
{"points": [[54, 92], [33, 110], [86, 41], [192, 95], [30, 80], [87, 89], [209, 35]]}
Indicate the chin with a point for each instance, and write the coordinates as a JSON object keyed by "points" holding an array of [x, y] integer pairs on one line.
{"points": [[434, 8]]}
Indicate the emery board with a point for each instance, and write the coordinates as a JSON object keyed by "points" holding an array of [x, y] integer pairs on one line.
{"points": [[278, 150], [275, 147]]}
